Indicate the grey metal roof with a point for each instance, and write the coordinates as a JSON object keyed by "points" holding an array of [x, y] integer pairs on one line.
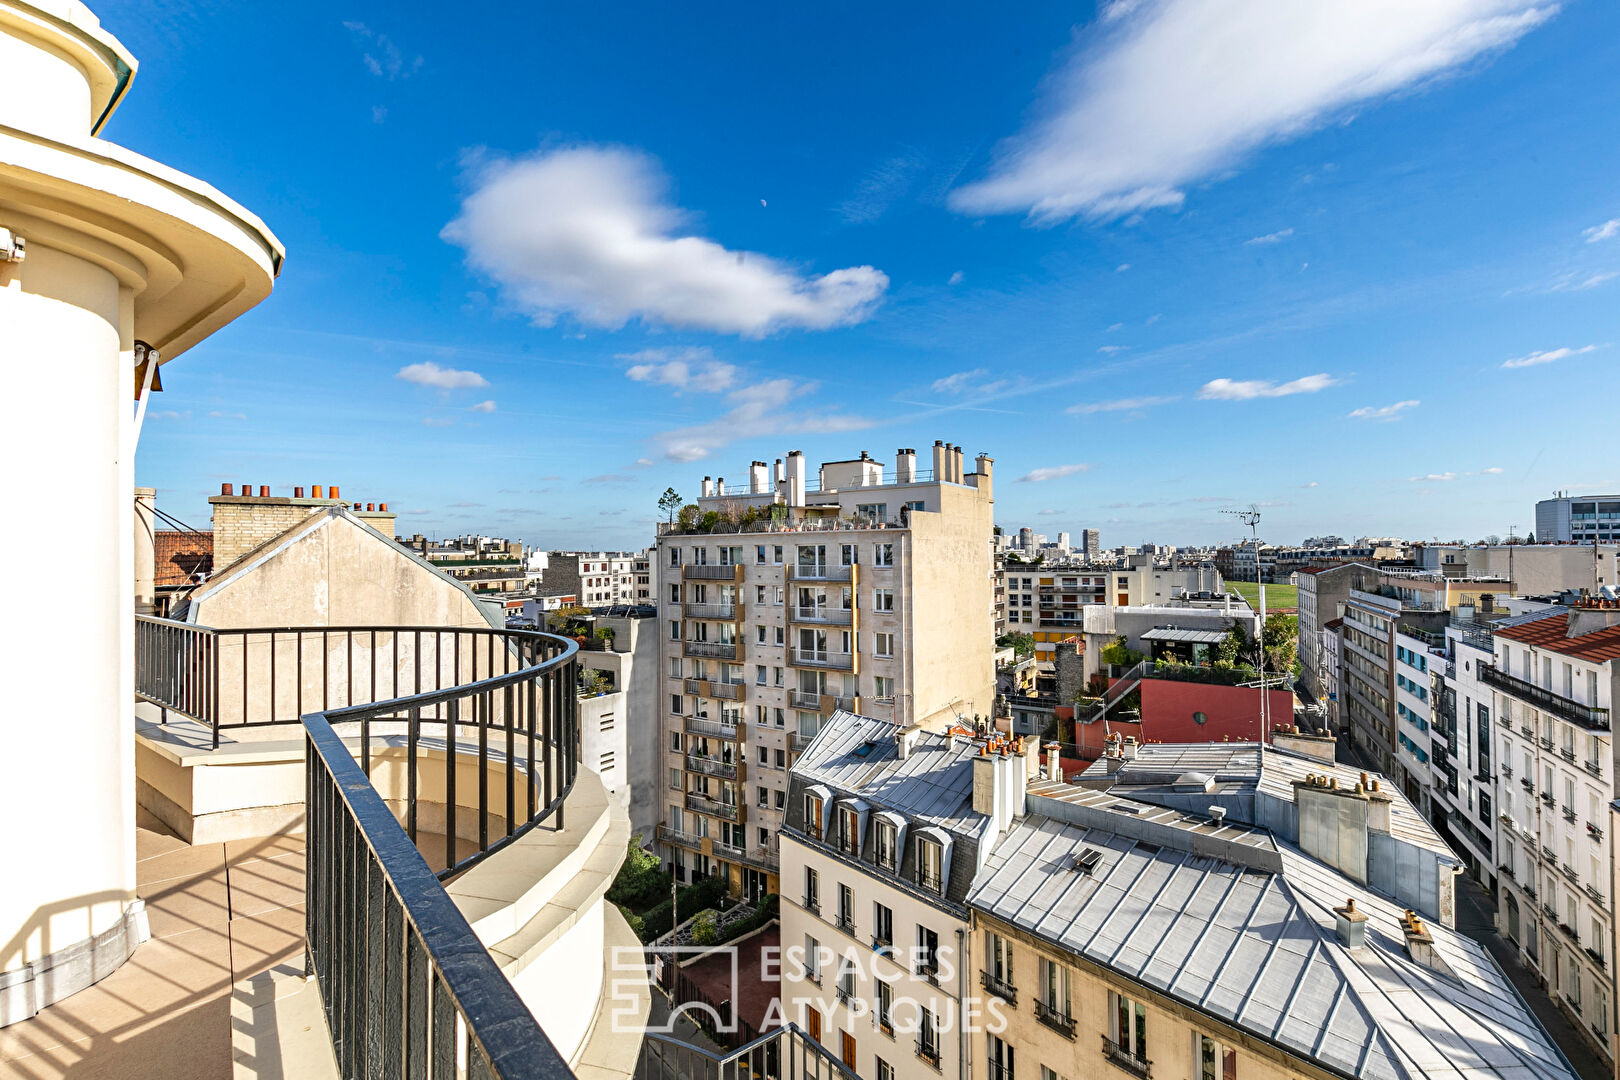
{"points": [[1186, 634], [1258, 950]]}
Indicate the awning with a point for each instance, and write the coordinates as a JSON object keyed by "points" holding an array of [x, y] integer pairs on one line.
{"points": [[1178, 633]]}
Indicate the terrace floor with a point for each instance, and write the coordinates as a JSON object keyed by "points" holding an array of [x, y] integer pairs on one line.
{"points": [[219, 913]]}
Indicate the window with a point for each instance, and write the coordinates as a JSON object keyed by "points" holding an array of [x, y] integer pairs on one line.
{"points": [[759, 554], [1127, 1028], [882, 1008], [763, 797], [883, 687], [812, 959], [674, 630], [674, 667], [882, 644], [930, 860], [675, 738], [1215, 1061], [883, 555], [674, 556], [927, 1036], [927, 951], [759, 594], [781, 763], [675, 594], [885, 1071], [1054, 989], [998, 957], [846, 990], [882, 924], [849, 835], [849, 554], [812, 889], [759, 634], [882, 599], [812, 816], [675, 778], [759, 674], [887, 854], [846, 907], [700, 556], [1001, 1059], [781, 795]]}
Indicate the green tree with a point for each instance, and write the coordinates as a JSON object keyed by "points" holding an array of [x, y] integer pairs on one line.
{"points": [[1229, 650], [1120, 654], [1280, 639], [669, 502], [1020, 644], [706, 928]]}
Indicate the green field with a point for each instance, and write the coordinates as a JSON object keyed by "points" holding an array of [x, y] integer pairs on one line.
{"points": [[1278, 597]]}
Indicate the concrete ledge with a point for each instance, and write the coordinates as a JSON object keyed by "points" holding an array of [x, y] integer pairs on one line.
{"points": [[26, 990], [613, 1047]]}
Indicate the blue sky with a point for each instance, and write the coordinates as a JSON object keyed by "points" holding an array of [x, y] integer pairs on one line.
{"points": [[1357, 263]]}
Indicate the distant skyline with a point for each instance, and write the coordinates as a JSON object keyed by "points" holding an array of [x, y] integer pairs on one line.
{"points": [[1356, 263]]}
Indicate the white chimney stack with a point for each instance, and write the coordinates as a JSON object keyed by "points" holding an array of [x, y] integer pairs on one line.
{"points": [[905, 466], [795, 477], [781, 474], [759, 478], [941, 467], [708, 487]]}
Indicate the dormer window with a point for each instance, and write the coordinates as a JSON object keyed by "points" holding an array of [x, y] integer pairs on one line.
{"points": [[849, 830], [888, 853], [812, 816], [930, 865]]}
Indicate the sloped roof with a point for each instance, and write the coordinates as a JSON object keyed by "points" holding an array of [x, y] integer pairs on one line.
{"points": [[1258, 950], [177, 556], [1549, 632]]}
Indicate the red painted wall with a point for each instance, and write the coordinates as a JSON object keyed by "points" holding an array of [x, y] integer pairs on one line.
{"points": [[1232, 713]]}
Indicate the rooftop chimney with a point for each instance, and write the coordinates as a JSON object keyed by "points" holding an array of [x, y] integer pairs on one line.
{"points": [[1054, 761], [1350, 925], [780, 473], [956, 464], [759, 478], [942, 469], [905, 466], [226, 489], [264, 491], [315, 492], [985, 465], [795, 477], [904, 740], [707, 488], [1129, 748]]}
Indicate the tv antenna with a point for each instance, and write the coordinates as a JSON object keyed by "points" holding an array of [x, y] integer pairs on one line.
{"points": [[1251, 518]]}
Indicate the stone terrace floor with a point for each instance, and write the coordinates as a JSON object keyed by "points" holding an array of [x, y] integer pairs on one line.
{"points": [[219, 913]]}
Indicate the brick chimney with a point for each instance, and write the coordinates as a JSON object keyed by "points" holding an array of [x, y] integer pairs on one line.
{"points": [[243, 522]]}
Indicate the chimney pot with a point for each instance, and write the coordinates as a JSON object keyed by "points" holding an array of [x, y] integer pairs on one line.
{"points": [[226, 489], [264, 491], [298, 493], [334, 491], [382, 507], [315, 492], [371, 506]]}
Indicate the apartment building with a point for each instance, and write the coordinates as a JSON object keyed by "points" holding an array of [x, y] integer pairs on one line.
{"points": [[1178, 910], [865, 587], [1534, 569], [1552, 680], [1049, 601], [1322, 591], [488, 564], [601, 578], [1578, 519], [886, 829]]}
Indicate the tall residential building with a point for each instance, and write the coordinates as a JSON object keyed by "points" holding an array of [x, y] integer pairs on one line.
{"points": [[1552, 682], [1534, 569], [600, 578], [1322, 592], [1090, 543], [788, 597], [1578, 519], [1048, 600]]}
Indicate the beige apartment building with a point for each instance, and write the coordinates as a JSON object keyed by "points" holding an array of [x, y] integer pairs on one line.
{"points": [[787, 597]]}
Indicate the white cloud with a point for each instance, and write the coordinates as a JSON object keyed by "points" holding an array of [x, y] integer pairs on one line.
{"points": [[1606, 231], [1312, 484], [1121, 268], [963, 382], [1049, 513], [1494, 470], [955, 278], [757, 410], [1112, 349], [1440, 477], [427, 373], [1573, 282], [1547, 356], [483, 407], [683, 369], [1248, 389], [1162, 95], [1384, 412], [1050, 472], [1121, 405], [380, 55], [590, 232], [1270, 238], [881, 188], [218, 415]]}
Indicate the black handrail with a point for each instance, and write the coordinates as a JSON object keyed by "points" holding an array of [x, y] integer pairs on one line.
{"points": [[784, 1052], [407, 986]]}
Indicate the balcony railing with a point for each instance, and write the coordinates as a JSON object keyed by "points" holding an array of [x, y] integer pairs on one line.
{"points": [[1059, 1021], [821, 572], [785, 1051], [726, 572], [798, 740], [827, 616], [714, 650], [711, 766], [408, 988], [705, 805], [729, 691], [821, 658], [722, 612], [804, 699], [1593, 719], [999, 987], [1126, 1060], [697, 725]]}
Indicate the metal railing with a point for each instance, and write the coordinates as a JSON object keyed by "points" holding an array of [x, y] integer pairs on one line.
{"points": [[1544, 699], [784, 1053], [711, 766], [804, 699], [724, 612], [408, 988], [999, 987], [1126, 1060], [705, 805], [821, 572], [717, 650], [821, 658], [708, 572], [1060, 1022], [829, 616], [731, 691], [696, 725]]}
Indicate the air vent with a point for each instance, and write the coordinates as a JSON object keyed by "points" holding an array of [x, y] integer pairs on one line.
{"points": [[864, 749], [1087, 861], [1125, 808], [1149, 849]]}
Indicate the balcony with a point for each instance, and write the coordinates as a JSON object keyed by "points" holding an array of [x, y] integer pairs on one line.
{"points": [[798, 740], [713, 650], [697, 687], [822, 615], [928, 1052], [381, 928], [821, 658], [702, 804], [731, 572], [1059, 1021], [1597, 897], [1593, 767], [805, 699], [715, 612], [680, 837], [701, 725], [821, 572], [1002, 989], [1118, 1055], [711, 766], [727, 691], [1593, 719]]}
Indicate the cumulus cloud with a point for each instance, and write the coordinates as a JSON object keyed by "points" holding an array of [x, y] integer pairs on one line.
{"points": [[757, 410], [1494, 470], [427, 373], [1547, 356], [1050, 472], [1133, 404], [1163, 94], [1439, 477], [1248, 389], [1270, 238], [682, 369], [1384, 412], [482, 407], [1606, 231], [1312, 484], [590, 232]]}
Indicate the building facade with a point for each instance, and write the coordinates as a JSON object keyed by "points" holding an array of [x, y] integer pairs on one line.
{"points": [[1322, 592], [1578, 519], [865, 589]]}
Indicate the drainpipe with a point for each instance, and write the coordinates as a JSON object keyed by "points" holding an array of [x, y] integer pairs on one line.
{"points": [[965, 1044]]}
